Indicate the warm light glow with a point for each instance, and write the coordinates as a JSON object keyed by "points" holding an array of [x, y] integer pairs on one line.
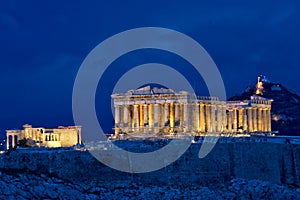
{"points": [[141, 115], [171, 115], [276, 117], [179, 112], [259, 86], [150, 119]]}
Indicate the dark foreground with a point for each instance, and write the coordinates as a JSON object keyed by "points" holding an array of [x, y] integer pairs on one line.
{"points": [[41, 186], [238, 170]]}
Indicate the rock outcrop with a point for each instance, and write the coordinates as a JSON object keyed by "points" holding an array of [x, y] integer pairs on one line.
{"points": [[42, 186]]}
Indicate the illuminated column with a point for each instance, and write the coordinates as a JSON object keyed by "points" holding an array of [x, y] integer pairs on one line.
{"points": [[160, 115], [213, 118], [125, 116], [250, 120], [245, 122], [185, 116], [166, 114], [208, 118], [156, 116], [135, 117], [240, 117], [219, 118], [196, 117], [150, 116], [130, 117], [145, 118], [202, 118], [224, 118], [259, 119], [172, 117], [121, 113], [265, 121], [262, 119], [254, 119], [181, 123], [177, 114], [235, 120], [7, 141], [141, 115], [269, 120], [117, 116], [229, 120]]}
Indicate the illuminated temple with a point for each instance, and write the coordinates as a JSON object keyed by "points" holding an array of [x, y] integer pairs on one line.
{"points": [[159, 110], [44, 137]]}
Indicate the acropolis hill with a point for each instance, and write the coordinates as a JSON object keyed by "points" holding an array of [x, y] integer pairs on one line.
{"points": [[250, 166]]}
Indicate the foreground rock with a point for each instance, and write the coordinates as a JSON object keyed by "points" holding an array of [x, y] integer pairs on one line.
{"points": [[33, 186]]}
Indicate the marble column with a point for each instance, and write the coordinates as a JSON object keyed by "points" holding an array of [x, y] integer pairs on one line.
{"points": [[172, 117], [181, 122], [265, 121], [219, 118], [185, 117], [141, 115], [235, 123], [202, 118], [250, 120], [240, 117], [166, 115], [269, 120], [135, 117], [145, 109], [125, 116], [156, 116], [121, 116], [208, 118], [7, 141], [196, 117], [213, 118], [145, 118], [177, 114], [254, 112], [117, 116], [130, 117], [150, 116], [229, 120], [259, 120], [161, 118], [245, 121], [224, 118]]}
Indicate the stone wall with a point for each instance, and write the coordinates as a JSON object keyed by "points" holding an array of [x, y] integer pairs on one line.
{"points": [[68, 137], [277, 163]]}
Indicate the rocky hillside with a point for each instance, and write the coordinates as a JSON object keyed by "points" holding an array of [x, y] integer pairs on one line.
{"points": [[41, 186], [285, 108]]}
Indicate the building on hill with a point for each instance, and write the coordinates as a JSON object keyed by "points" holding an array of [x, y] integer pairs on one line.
{"points": [[159, 110], [44, 137]]}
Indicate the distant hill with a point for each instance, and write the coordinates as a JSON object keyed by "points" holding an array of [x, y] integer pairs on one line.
{"points": [[285, 108]]}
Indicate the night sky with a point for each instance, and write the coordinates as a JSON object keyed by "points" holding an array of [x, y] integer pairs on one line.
{"points": [[43, 43]]}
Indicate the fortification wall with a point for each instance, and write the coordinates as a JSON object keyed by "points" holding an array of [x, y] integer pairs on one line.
{"points": [[278, 163]]}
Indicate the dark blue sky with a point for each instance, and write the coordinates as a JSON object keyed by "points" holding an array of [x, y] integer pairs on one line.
{"points": [[42, 45]]}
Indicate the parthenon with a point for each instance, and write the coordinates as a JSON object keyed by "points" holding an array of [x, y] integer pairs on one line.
{"points": [[159, 110]]}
